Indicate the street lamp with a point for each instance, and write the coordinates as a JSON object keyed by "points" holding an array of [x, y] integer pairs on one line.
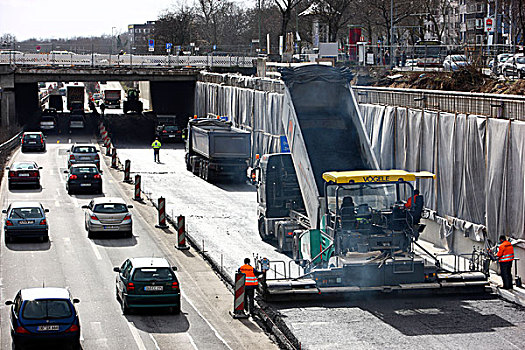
{"points": [[112, 37]]}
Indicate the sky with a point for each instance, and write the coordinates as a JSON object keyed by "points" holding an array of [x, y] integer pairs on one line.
{"points": [[41, 19]]}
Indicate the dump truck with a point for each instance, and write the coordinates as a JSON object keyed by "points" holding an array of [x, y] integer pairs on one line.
{"points": [[350, 230], [132, 102], [75, 96], [112, 98], [217, 150]]}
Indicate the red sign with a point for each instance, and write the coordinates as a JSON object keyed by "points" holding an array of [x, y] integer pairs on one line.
{"points": [[38, 47], [489, 21]]}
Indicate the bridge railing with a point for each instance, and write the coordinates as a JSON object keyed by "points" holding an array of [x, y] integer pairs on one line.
{"points": [[107, 60]]}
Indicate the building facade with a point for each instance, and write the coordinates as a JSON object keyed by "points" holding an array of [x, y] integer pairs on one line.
{"points": [[138, 35]]}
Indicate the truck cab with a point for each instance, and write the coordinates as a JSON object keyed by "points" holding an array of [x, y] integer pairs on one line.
{"points": [[278, 194]]}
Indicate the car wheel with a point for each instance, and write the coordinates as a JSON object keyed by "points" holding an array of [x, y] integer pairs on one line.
{"points": [[99, 191], [8, 239], [126, 310], [116, 294], [45, 238], [10, 186], [75, 345], [91, 234], [128, 234]]}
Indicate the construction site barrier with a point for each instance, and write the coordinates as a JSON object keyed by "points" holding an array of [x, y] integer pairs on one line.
{"points": [[238, 301], [114, 158], [137, 196], [181, 233], [127, 171], [162, 213]]}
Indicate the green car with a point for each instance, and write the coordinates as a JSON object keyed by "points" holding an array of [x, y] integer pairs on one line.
{"points": [[147, 283]]}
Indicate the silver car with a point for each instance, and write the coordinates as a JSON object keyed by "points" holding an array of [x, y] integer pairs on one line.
{"points": [[107, 215], [83, 153]]}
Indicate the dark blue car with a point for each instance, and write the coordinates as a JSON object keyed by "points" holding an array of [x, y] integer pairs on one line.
{"points": [[25, 220], [44, 316]]}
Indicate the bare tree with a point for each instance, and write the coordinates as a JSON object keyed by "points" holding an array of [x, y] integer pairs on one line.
{"points": [[286, 8], [175, 26], [335, 13]]}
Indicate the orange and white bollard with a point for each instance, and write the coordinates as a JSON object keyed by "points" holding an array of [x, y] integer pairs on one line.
{"points": [[238, 301], [181, 233]]}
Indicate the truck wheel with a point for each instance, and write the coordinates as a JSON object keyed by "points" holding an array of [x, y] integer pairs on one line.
{"points": [[206, 171], [188, 164], [282, 245], [296, 255], [194, 167], [262, 230]]}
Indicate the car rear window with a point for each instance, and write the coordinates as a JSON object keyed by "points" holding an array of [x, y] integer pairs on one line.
{"points": [[110, 208], [84, 149], [76, 118], [47, 119], [25, 213], [32, 137], [520, 59], [171, 128], [84, 170], [46, 309], [153, 274], [23, 166]]}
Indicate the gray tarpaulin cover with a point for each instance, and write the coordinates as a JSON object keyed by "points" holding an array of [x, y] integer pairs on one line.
{"points": [[479, 162]]}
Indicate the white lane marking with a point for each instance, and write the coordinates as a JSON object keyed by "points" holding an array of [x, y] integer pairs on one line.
{"points": [[205, 320], [154, 341], [95, 250], [192, 342], [136, 336]]}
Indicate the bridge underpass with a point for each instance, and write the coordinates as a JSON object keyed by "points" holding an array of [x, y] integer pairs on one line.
{"points": [[171, 90]]}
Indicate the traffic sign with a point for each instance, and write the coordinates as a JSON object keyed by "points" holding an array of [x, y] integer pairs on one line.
{"points": [[489, 24], [168, 47], [151, 45], [285, 147]]}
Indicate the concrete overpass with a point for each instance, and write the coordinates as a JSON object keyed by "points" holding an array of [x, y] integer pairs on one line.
{"points": [[19, 97]]}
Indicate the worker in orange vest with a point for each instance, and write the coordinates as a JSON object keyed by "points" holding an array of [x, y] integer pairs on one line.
{"points": [[412, 200], [505, 258], [250, 284]]}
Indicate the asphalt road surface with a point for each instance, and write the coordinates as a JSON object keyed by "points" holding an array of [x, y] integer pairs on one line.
{"points": [[223, 216], [86, 267]]}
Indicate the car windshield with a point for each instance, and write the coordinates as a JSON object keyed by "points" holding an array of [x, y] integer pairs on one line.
{"points": [[153, 274], [32, 137], [46, 309], [84, 170], [171, 128], [459, 58], [520, 60], [110, 208], [25, 213], [84, 149], [23, 166]]}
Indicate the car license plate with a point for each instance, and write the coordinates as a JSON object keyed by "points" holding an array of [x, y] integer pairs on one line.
{"points": [[85, 185], [32, 142], [23, 174], [48, 327], [84, 158], [153, 288], [111, 227], [26, 222], [171, 135]]}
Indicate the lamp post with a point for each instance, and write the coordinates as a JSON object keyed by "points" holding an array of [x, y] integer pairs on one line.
{"points": [[391, 31], [112, 37]]}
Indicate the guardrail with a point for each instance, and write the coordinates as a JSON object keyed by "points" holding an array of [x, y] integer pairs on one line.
{"points": [[126, 60], [11, 143], [491, 105]]}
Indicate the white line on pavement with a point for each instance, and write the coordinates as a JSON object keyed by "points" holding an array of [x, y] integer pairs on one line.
{"points": [[136, 336], [95, 250], [205, 320], [191, 341], [154, 341]]}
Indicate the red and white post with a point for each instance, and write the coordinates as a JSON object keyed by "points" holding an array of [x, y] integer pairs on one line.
{"points": [[114, 158], [181, 233], [162, 213], [238, 301], [137, 196], [127, 171]]}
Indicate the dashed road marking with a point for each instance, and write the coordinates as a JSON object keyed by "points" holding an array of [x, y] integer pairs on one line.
{"points": [[192, 342], [95, 250], [154, 341]]}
